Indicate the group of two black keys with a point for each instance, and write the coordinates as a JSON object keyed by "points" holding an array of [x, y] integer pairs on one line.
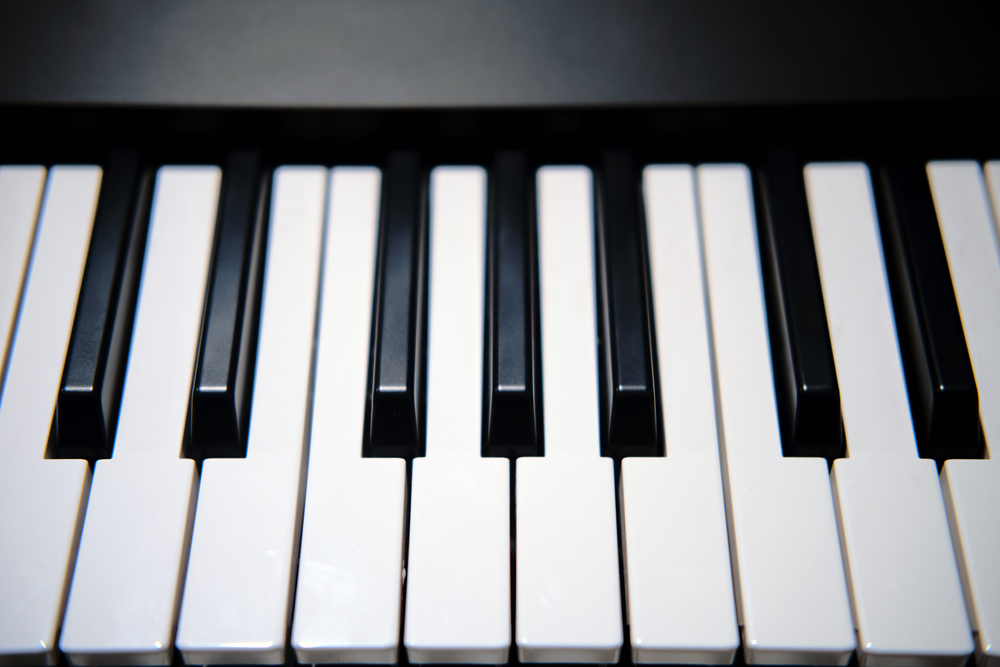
{"points": [[942, 390]]}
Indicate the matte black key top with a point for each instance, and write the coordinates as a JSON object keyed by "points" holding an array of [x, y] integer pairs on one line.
{"points": [[944, 401], [629, 407], [90, 393], [805, 378], [512, 399], [220, 406], [396, 402]]}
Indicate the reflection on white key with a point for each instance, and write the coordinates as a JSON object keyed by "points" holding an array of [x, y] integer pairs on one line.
{"points": [[20, 197], [972, 488], [236, 603], [123, 603], [41, 500], [568, 593], [347, 604], [907, 599], [680, 587], [993, 182], [791, 593], [458, 565]]}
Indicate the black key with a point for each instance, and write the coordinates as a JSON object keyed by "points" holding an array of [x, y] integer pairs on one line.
{"points": [[396, 402], [629, 409], [512, 400], [944, 401], [805, 378], [220, 406], [90, 393]]}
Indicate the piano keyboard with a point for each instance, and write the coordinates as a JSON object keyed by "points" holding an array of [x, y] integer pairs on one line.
{"points": [[511, 412]]}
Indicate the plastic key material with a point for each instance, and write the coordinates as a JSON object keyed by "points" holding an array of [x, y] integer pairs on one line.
{"points": [[42, 501], [349, 590], [237, 597], [458, 564], [972, 488], [90, 393], [941, 386], [791, 594], [629, 379], [20, 196], [220, 405], [805, 380], [905, 589], [568, 593], [129, 574], [681, 608], [395, 421], [513, 367]]}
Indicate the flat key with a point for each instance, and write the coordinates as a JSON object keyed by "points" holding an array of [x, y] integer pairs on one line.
{"points": [[805, 380], [87, 412], [395, 423], [972, 487], [21, 190], [43, 501], [513, 398], [349, 590], [220, 405], [629, 418], [943, 399]]}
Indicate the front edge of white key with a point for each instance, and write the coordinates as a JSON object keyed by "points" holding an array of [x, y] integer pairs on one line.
{"points": [[568, 587]]}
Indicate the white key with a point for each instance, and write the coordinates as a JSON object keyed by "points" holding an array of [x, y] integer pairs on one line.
{"points": [[20, 197], [236, 603], [680, 587], [347, 604], [458, 566], [126, 587], [568, 592], [972, 488], [790, 590], [907, 599], [993, 182], [41, 500]]}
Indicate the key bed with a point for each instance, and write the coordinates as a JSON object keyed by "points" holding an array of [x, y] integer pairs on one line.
{"points": [[354, 518]]}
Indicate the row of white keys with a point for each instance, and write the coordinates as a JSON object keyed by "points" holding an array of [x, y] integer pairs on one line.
{"points": [[347, 603], [237, 605], [20, 196], [905, 589], [568, 595], [790, 590], [126, 587], [972, 487], [458, 565], [680, 587], [40, 499]]}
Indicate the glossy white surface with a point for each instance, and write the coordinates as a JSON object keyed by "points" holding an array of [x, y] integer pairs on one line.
{"points": [[906, 594], [972, 488], [347, 603], [41, 500], [791, 592], [568, 593], [680, 588], [133, 553], [20, 196], [992, 169], [458, 565], [236, 605]]}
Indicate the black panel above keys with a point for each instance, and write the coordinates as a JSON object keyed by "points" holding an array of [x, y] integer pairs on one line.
{"points": [[805, 378], [628, 401], [396, 404], [944, 401], [90, 393], [220, 405], [512, 397]]}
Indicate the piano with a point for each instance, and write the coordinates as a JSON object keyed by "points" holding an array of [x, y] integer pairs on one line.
{"points": [[310, 314]]}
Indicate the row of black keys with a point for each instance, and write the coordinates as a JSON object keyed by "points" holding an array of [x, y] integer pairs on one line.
{"points": [[942, 390]]}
